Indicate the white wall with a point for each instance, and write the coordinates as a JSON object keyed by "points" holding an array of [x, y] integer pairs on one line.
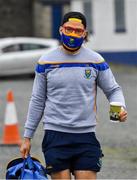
{"points": [[76, 5], [105, 38]]}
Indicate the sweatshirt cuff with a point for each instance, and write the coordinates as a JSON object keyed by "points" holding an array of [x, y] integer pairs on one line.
{"points": [[29, 133]]}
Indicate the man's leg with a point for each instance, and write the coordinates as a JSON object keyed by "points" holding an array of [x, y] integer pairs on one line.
{"points": [[65, 174], [82, 174]]}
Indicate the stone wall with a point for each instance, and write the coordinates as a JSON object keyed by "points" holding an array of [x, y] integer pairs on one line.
{"points": [[16, 18], [28, 17]]}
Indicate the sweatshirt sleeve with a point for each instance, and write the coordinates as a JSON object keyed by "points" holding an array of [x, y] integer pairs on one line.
{"points": [[106, 81], [36, 105]]}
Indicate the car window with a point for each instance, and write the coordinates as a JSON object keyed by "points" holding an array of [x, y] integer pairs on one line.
{"points": [[23, 47], [30, 46], [11, 48]]}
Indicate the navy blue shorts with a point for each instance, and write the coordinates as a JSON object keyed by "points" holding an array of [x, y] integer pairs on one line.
{"points": [[74, 151]]}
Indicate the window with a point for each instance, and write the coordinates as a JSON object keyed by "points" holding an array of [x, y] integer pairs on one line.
{"points": [[89, 15], [11, 48], [30, 46], [120, 16], [23, 47]]}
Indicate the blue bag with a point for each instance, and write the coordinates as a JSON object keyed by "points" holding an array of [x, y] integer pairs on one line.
{"points": [[29, 168]]}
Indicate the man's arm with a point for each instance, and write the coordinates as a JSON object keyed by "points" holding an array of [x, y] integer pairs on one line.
{"points": [[37, 105], [35, 112], [106, 81]]}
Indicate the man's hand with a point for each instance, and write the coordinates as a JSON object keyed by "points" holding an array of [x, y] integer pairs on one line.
{"points": [[25, 147], [123, 115]]}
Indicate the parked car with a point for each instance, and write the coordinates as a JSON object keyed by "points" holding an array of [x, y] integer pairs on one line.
{"points": [[19, 55]]}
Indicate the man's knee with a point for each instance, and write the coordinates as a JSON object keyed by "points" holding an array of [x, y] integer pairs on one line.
{"points": [[85, 174], [65, 174]]}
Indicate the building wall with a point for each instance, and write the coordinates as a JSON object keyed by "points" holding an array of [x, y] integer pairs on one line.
{"points": [[42, 20], [104, 37], [77, 5], [16, 18], [29, 17], [43, 17]]}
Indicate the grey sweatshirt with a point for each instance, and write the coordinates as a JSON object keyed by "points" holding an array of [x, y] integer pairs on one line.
{"points": [[65, 89]]}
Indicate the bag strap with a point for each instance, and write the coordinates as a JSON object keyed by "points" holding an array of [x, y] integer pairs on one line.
{"points": [[30, 164]]}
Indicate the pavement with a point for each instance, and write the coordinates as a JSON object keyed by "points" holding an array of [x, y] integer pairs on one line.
{"points": [[118, 140]]}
